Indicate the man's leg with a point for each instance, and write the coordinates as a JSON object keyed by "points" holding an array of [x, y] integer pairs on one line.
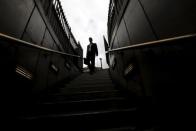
{"points": [[90, 65], [93, 64]]}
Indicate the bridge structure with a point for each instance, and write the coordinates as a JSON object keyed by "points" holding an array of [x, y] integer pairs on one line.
{"points": [[42, 78], [43, 82]]}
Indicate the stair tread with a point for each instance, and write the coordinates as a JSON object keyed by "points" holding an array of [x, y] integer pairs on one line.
{"points": [[90, 83], [125, 128], [89, 86], [89, 89], [83, 113], [84, 96], [86, 105], [89, 100], [87, 92]]}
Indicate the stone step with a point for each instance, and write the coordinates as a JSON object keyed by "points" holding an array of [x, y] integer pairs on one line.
{"points": [[89, 120], [91, 79], [124, 128], [95, 85], [90, 83], [87, 89], [77, 106], [84, 96]]}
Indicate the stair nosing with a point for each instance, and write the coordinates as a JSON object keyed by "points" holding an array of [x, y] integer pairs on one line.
{"points": [[90, 100], [82, 114], [88, 92]]}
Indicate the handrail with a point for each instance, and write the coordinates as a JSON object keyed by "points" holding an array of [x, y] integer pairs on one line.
{"points": [[28, 44], [152, 43]]}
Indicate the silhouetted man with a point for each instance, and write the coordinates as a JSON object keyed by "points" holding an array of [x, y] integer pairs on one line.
{"points": [[92, 51]]}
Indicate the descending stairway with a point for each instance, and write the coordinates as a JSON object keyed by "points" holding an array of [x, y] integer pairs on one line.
{"points": [[89, 102]]}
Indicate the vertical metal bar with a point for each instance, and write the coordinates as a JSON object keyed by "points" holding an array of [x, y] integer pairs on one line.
{"points": [[49, 8]]}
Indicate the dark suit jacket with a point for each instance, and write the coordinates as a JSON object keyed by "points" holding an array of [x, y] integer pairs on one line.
{"points": [[93, 52]]}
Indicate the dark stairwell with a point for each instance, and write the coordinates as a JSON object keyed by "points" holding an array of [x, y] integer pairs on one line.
{"points": [[89, 102], [34, 59]]}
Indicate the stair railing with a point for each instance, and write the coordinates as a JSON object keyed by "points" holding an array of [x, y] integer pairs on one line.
{"points": [[152, 43], [34, 68], [13, 40]]}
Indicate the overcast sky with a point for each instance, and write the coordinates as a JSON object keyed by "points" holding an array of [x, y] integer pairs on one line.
{"points": [[88, 18]]}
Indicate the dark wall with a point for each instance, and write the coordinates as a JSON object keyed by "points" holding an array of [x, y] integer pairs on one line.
{"points": [[143, 21], [14, 16], [138, 27], [35, 29], [29, 21], [171, 17]]}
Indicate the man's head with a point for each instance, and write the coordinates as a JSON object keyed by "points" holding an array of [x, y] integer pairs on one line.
{"points": [[90, 39]]}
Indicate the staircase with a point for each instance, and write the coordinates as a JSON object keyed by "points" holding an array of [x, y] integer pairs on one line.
{"points": [[89, 102]]}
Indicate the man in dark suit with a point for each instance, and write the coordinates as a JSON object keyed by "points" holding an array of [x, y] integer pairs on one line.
{"points": [[92, 51]]}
